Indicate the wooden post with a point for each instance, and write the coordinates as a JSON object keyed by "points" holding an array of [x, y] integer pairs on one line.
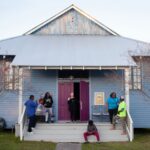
{"points": [[20, 93], [127, 81]]}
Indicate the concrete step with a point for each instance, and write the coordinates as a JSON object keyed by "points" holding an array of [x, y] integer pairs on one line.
{"points": [[73, 138], [73, 132], [71, 126]]}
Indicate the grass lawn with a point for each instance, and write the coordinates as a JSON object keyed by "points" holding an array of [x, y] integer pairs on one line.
{"points": [[9, 142], [141, 142]]}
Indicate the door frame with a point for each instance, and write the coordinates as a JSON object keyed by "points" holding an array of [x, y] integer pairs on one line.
{"points": [[73, 81]]}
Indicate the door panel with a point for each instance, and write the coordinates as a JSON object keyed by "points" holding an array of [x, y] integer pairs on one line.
{"points": [[64, 90], [84, 101]]}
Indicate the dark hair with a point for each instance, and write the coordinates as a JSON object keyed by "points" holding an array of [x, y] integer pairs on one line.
{"points": [[111, 95], [47, 96], [31, 97], [90, 122]]}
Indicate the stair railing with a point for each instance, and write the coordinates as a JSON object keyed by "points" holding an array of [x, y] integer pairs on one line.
{"points": [[130, 128], [22, 122]]}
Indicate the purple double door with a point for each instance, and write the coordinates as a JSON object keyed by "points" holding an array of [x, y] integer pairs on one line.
{"points": [[64, 90]]}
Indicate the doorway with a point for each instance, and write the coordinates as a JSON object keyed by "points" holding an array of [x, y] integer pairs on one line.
{"points": [[81, 93]]}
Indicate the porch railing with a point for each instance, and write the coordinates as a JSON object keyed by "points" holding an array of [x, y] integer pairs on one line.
{"points": [[130, 128], [22, 122]]}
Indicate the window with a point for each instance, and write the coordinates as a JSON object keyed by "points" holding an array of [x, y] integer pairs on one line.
{"points": [[9, 76], [135, 78]]}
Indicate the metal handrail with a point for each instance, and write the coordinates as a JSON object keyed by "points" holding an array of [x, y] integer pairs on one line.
{"points": [[130, 128], [22, 123]]}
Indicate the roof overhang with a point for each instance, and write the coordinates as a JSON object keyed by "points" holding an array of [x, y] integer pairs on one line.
{"points": [[74, 67]]}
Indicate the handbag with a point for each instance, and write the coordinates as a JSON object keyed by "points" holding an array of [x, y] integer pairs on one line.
{"points": [[39, 110]]}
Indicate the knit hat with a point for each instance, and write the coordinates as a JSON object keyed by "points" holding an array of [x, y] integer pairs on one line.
{"points": [[121, 97]]}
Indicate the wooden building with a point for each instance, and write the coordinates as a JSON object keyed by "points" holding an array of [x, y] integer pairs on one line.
{"points": [[72, 51]]}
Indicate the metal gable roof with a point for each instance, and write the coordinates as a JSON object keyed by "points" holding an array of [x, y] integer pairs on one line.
{"points": [[69, 50]]}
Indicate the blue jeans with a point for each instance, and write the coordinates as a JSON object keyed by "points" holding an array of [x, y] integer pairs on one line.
{"points": [[32, 123]]}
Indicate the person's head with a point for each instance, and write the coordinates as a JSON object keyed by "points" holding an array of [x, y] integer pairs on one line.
{"points": [[72, 94], [47, 95], [90, 122], [121, 98], [31, 97], [113, 95]]}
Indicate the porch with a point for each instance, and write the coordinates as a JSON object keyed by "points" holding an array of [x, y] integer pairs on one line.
{"points": [[73, 132]]}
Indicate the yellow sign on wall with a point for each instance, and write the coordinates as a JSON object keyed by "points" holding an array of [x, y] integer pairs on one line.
{"points": [[99, 98]]}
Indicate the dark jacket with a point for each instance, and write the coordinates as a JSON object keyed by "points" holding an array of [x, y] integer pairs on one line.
{"points": [[48, 102], [72, 103], [91, 128]]}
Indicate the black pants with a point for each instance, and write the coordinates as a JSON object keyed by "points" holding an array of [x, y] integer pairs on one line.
{"points": [[112, 112], [73, 115], [32, 123]]}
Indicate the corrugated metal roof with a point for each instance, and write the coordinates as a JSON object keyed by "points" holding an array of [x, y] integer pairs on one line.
{"points": [[69, 50]]}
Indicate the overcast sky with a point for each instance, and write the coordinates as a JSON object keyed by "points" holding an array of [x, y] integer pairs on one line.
{"points": [[129, 18]]}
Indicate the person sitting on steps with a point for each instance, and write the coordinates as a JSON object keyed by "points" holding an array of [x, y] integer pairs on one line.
{"points": [[91, 130]]}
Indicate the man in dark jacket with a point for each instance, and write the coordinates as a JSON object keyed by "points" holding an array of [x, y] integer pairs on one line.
{"points": [[30, 111], [73, 107]]}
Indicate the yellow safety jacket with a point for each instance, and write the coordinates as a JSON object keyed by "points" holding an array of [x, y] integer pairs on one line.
{"points": [[122, 105]]}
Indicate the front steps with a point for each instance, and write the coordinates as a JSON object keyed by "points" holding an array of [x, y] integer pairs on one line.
{"points": [[73, 132]]}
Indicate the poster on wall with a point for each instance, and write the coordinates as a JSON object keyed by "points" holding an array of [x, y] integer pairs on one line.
{"points": [[99, 98]]}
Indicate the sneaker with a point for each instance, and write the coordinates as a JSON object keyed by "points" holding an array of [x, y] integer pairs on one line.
{"points": [[30, 133], [32, 129]]}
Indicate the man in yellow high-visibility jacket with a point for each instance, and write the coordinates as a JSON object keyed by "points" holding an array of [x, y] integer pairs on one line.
{"points": [[122, 113]]}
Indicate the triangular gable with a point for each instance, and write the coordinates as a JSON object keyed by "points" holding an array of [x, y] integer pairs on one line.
{"points": [[72, 20]]}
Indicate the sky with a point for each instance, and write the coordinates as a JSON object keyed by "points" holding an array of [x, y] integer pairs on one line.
{"points": [[129, 18]]}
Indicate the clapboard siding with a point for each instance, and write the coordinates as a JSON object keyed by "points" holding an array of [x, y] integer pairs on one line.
{"points": [[72, 22], [39, 82], [105, 81], [9, 107], [140, 99]]}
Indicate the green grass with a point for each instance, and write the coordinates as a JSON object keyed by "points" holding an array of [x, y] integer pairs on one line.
{"points": [[9, 142], [141, 142]]}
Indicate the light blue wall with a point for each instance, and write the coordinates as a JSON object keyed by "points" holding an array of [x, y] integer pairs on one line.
{"points": [[9, 107], [39, 82], [140, 99], [106, 81], [140, 109]]}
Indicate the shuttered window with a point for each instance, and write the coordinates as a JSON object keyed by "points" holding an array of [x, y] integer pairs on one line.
{"points": [[135, 78]]}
